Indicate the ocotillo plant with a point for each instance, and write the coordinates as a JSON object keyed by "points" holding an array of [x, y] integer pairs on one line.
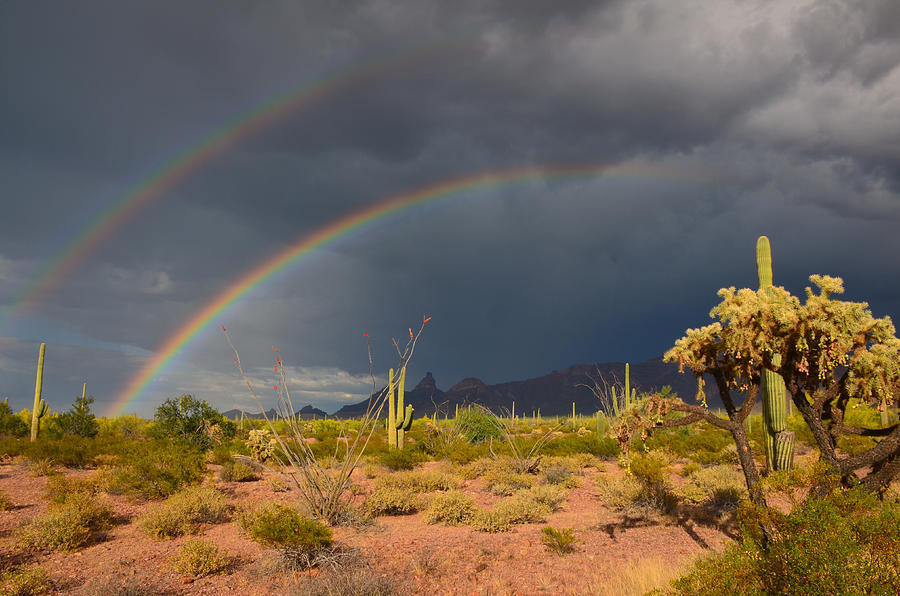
{"points": [[779, 440], [399, 418], [40, 406]]}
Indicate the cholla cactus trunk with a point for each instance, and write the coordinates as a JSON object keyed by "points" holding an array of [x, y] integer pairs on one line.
{"points": [[779, 440], [40, 408]]}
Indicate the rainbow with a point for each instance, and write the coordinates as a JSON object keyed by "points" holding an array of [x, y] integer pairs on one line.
{"points": [[203, 319], [189, 161]]}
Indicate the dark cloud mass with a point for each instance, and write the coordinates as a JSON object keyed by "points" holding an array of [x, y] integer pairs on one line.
{"points": [[720, 122]]}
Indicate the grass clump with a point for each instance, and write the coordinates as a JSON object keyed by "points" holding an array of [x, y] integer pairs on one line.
{"points": [[199, 558], [560, 541], [24, 581], [846, 543], [183, 512], [389, 500], [68, 526], [452, 508], [283, 527]]}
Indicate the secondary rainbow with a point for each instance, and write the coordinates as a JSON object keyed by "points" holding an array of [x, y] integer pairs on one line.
{"points": [[204, 319], [190, 160]]}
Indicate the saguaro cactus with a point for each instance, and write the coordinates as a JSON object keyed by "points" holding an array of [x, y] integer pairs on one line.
{"points": [[40, 406], [399, 417], [779, 440], [602, 423], [628, 397]]}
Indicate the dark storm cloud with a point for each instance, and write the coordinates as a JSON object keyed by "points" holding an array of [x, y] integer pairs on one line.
{"points": [[787, 110]]}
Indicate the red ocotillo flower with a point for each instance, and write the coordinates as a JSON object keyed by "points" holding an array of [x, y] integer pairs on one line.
{"points": [[410, 333], [426, 320], [222, 326]]}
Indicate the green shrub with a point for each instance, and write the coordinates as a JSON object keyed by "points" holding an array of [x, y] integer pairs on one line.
{"points": [[157, 469], [79, 420], [60, 487], [24, 581], [488, 520], [199, 558], [10, 424], [547, 494], [501, 482], [183, 512], [452, 508], [188, 419], [846, 543], [70, 525], [477, 425], [237, 472], [401, 459], [605, 447], [559, 541], [702, 444], [280, 526], [388, 500]]}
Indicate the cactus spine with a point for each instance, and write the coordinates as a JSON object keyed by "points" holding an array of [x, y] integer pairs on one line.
{"points": [[779, 440], [40, 406], [399, 417]]}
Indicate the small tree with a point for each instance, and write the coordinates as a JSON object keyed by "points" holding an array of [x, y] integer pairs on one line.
{"points": [[10, 424], [79, 420], [193, 420]]}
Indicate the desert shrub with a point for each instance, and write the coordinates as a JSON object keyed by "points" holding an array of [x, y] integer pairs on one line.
{"points": [[60, 487], [183, 512], [522, 508], [280, 526], [605, 447], [704, 445], [846, 543], [43, 467], [157, 469], [10, 424], [5, 503], [560, 541], [557, 474], [488, 520], [235, 471], [500, 482], [721, 486], [353, 579], [388, 500], [188, 419], [401, 459], [550, 495], [477, 424], [24, 581], [420, 481], [452, 508], [477, 468], [68, 526], [199, 558]]}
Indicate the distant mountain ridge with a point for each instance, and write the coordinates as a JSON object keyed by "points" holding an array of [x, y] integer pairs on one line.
{"points": [[552, 393], [307, 412]]}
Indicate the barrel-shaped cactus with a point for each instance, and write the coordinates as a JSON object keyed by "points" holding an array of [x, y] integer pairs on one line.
{"points": [[40, 406], [779, 440]]}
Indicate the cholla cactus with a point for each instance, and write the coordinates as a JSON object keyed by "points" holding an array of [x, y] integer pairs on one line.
{"points": [[261, 444]]}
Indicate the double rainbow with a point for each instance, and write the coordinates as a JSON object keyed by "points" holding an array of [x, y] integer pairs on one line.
{"points": [[257, 275]]}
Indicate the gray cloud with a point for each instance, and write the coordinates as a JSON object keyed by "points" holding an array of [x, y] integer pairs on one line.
{"points": [[775, 118]]}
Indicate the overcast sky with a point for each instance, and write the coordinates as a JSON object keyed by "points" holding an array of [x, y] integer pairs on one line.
{"points": [[719, 121]]}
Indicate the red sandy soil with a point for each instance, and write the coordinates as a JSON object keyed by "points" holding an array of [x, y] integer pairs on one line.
{"points": [[420, 558]]}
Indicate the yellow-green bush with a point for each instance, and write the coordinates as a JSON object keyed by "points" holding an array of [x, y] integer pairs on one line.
{"points": [[390, 500], [183, 512], [199, 558], [5, 503], [522, 508], [420, 481], [488, 520], [69, 525], [24, 581], [280, 526], [237, 472], [452, 508], [722, 486]]}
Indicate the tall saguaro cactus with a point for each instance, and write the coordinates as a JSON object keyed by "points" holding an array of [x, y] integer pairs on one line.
{"points": [[40, 406], [399, 418], [779, 440], [628, 397]]}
